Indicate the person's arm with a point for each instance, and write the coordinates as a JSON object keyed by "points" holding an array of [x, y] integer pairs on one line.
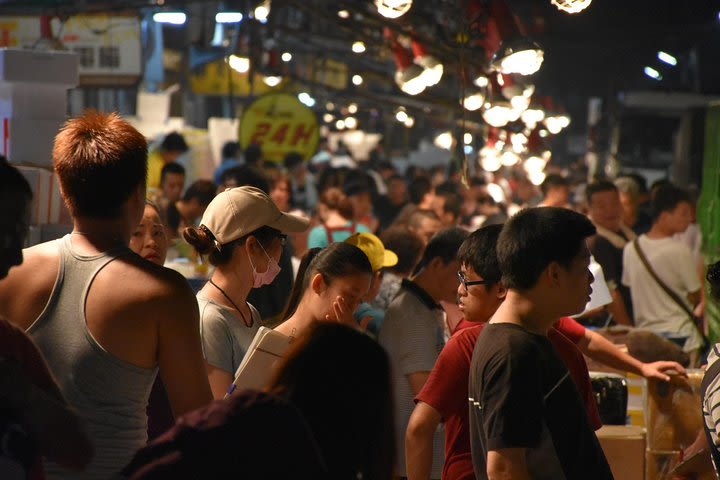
{"points": [[180, 358], [507, 464], [219, 380], [417, 381], [617, 308], [58, 431], [694, 298], [602, 350], [419, 441]]}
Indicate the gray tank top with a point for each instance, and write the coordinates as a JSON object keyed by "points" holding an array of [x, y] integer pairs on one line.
{"points": [[109, 393]]}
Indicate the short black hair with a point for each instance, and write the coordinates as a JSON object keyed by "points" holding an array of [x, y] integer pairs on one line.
{"points": [[453, 203], [253, 154], [553, 180], [597, 187], [666, 199], [171, 167], [447, 186], [174, 142], [292, 160], [536, 237], [443, 245], [479, 252], [202, 190], [418, 188], [407, 245], [713, 278], [230, 150], [247, 175]]}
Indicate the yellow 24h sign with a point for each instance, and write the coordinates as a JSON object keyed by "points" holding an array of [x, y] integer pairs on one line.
{"points": [[280, 124]]}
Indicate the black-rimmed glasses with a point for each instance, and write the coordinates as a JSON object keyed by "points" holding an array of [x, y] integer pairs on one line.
{"points": [[466, 283], [283, 239]]}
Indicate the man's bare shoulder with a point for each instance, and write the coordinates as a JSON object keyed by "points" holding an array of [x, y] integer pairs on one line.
{"points": [[147, 280]]}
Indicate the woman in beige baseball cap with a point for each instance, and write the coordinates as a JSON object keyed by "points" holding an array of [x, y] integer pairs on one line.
{"points": [[242, 234]]}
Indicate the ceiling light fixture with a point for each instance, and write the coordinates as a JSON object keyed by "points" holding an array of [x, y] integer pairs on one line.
{"points": [[432, 67], [652, 73], [328, 117], [497, 114], [401, 115], [444, 141], [519, 55], [571, 6], [358, 47], [393, 8], [357, 80], [228, 17], [473, 101], [272, 80], [352, 108], [351, 123], [262, 11], [239, 64], [667, 58], [170, 18], [340, 124], [409, 122], [343, 14]]}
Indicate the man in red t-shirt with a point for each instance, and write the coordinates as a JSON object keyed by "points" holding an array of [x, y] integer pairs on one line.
{"points": [[443, 398]]}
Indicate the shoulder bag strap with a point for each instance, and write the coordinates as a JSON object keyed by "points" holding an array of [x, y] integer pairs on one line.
{"points": [[674, 296]]}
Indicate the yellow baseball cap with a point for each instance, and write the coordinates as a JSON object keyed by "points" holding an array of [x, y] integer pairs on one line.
{"points": [[373, 247]]}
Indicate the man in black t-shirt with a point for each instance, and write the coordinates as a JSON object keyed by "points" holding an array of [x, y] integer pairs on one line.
{"points": [[526, 417], [605, 211]]}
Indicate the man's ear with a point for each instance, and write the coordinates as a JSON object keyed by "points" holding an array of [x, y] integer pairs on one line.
{"points": [[318, 284], [552, 273], [435, 263], [501, 291]]}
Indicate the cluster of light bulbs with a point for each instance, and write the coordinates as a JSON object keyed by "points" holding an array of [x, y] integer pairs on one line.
{"points": [[402, 116]]}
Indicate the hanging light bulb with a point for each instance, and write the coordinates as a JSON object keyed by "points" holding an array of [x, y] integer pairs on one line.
{"points": [[497, 114], [473, 101], [328, 117], [481, 80], [239, 64], [330, 106], [536, 178], [340, 124], [393, 8], [357, 80], [444, 140], [509, 158], [409, 122], [286, 57], [343, 14], [352, 108], [351, 123], [358, 47], [467, 138], [532, 116], [432, 67], [262, 11], [272, 80], [534, 164], [554, 124], [490, 162], [401, 116], [519, 55], [408, 75]]}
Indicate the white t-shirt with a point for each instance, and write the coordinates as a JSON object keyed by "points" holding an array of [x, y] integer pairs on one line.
{"points": [[653, 308]]}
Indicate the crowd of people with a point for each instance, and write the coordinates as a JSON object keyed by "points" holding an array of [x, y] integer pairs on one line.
{"points": [[409, 300]]}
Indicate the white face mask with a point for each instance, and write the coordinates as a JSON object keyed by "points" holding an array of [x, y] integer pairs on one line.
{"points": [[266, 277]]}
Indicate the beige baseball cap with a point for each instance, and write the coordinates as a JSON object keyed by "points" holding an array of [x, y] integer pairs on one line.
{"points": [[238, 211]]}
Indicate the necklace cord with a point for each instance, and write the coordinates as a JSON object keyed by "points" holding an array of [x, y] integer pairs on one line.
{"points": [[234, 305]]}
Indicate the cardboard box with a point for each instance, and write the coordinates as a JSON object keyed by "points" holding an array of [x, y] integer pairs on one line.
{"points": [[28, 141], [37, 101], [673, 414], [47, 205], [624, 447], [23, 65], [659, 465]]}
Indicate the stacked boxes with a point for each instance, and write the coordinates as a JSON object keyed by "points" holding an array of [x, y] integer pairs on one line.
{"points": [[33, 97], [673, 420]]}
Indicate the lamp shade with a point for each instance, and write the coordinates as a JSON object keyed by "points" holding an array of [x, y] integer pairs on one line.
{"points": [[518, 55]]}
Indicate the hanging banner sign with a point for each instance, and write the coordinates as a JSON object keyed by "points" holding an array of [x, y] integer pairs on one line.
{"points": [[280, 124]]}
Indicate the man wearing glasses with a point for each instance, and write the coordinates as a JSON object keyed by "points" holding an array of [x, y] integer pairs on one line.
{"points": [[443, 398], [413, 330]]}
